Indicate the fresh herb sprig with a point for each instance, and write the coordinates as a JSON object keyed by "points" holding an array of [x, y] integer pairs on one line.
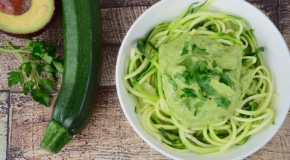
{"points": [[38, 70]]}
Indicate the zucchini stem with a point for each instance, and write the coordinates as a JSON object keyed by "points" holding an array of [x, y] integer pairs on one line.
{"points": [[55, 137]]}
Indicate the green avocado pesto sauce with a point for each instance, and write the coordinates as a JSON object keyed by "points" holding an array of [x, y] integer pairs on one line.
{"points": [[202, 79]]}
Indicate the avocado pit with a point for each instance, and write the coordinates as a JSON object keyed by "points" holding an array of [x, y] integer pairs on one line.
{"points": [[14, 7], [25, 18]]}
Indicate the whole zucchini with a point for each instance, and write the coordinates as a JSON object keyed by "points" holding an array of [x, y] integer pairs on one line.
{"points": [[81, 23]]}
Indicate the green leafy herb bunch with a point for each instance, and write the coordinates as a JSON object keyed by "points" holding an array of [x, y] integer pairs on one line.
{"points": [[38, 70]]}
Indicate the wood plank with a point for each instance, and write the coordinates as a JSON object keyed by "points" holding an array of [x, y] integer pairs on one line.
{"points": [[279, 12], [110, 53], [4, 107], [126, 3], [268, 7], [117, 21], [284, 20], [107, 136]]}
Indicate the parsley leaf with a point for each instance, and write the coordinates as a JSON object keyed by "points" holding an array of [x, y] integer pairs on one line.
{"points": [[45, 83], [45, 57], [27, 68], [14, 78], [58, 65], [38, 70], [41, 96], [51, 50], [49, 68], [27, 86]]}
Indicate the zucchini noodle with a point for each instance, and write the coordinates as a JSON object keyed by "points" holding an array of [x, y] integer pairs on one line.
{"points": [[143, 80]]}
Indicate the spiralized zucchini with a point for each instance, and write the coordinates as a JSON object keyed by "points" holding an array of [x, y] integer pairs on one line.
{"points": [[143, 80]]}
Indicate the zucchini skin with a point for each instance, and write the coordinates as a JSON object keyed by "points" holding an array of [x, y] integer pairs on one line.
{"points": [[82, 35]]}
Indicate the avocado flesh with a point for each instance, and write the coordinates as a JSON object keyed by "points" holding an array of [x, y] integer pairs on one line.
{"points": [[33, 20]]}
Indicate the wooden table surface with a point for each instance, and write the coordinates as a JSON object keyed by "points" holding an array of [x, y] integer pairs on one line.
{"points": [[108, 134]]}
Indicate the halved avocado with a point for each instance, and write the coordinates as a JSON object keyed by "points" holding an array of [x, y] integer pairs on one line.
{"points": [[29, 23]]}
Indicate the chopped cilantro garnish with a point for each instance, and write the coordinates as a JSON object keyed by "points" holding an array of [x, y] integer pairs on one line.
{"points": [[257, 51], [171, 81], [185, 48], [180, 77], [214, 64], [186, 62], [214, 72], [203, 67], [197, 50], [197, 106], [170, 136], [152, 46], [188, 76], [226, 70], [201, 95], [196, 72], [222, 102], [192, 67], [188, 92], [225, 78], [205, 86]]}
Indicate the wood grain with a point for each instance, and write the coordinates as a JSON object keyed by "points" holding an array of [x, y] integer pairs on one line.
{"points": [[4, 106], [126, 3], [108, 135]]}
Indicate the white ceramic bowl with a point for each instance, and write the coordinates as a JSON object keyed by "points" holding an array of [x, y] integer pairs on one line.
{"points": [[276, 57]]}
